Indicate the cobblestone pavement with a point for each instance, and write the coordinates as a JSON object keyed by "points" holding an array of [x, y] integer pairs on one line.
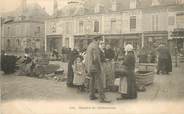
{"points": [[30, 95]]}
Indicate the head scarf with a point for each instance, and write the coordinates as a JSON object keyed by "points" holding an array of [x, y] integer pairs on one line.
{"points": [[26, 55], [128, 48]]}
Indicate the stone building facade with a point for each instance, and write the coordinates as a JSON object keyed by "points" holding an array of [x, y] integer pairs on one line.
{"points": [[0, 32], [24, 28], [139, 22], [76, 30], [19, 35]]}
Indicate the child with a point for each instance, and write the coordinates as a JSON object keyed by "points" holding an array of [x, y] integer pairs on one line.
{"points": [[79, 73]]}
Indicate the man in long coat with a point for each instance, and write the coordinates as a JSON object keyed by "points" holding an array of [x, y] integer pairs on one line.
{"points": [[94, 69], [109, 56], [70, 75], [164, 60]]}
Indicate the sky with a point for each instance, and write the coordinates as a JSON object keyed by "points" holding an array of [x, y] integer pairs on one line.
{"points": [[10, 5]]}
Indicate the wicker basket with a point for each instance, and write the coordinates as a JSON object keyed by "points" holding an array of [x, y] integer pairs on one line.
{"points": [[145, 74], [181, 59], [146, 67], [43, 61], [119, 69], [144, 77]]}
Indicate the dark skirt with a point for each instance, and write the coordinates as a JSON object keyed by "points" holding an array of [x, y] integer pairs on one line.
{"points": [[70, 75], [131, 81], [128, 85], [109, 73], [165, 64]]}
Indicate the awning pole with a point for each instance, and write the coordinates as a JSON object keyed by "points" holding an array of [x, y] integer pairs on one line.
{"points": [[142, 41], [45, 39], [176, 59]]}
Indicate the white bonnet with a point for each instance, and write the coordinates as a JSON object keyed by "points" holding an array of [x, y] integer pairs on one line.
{"points": [[26, 55], [128, 48]]}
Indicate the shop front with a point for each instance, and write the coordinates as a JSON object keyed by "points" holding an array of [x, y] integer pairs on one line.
{"points": [[134, 39], [115, 40], [81, 42], [177, 40], [54, 42], [120, 40], [154, 39]]}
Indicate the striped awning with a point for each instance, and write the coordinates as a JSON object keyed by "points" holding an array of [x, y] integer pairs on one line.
{"points": [[111, 36], [54, 36], [176, 38], [178, 34]]}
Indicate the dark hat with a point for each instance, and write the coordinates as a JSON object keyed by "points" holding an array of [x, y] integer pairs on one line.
{"points": [[97, 38]]}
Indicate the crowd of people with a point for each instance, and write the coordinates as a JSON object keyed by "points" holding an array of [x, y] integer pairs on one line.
{"points": [[94, 69]]}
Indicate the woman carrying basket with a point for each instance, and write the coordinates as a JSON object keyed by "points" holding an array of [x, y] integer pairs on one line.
{"points": [[127, 86]]}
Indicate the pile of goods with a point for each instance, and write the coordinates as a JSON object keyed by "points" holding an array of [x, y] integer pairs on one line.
{"points": [[8, 64], [43, 67]]}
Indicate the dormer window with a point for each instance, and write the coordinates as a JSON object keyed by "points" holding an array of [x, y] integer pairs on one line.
{"points": [[81, 27], [96, 26], [133, 4], [99, 8], [155, 2], [179, 1], [114, 5]]}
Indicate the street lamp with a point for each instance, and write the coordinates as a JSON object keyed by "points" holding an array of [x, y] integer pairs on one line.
{"points": [[1, 26], [176, 58], [1, 33]]}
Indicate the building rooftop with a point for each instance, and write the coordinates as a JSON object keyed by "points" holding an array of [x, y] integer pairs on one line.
{"points": [[32, 12], [78, 7]]}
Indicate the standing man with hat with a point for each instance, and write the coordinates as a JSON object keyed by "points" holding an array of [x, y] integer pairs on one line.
{"points": [[94, 69]]}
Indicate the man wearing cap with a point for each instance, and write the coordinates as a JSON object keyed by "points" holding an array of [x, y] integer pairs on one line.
{"points": [[94, 69]]}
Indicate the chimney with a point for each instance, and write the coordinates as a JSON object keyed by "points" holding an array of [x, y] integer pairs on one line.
{"points": [[133, 4], [55, 8], [23, 5], [114, 5], [179, 1], [155, 2], [99, 8]]}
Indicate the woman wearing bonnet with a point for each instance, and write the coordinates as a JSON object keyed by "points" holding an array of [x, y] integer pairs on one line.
{"points": [[127, 87]]}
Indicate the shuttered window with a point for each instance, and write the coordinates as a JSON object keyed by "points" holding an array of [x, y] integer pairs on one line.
{"points": [[132, 23], [96, 26], [81, 26]]}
